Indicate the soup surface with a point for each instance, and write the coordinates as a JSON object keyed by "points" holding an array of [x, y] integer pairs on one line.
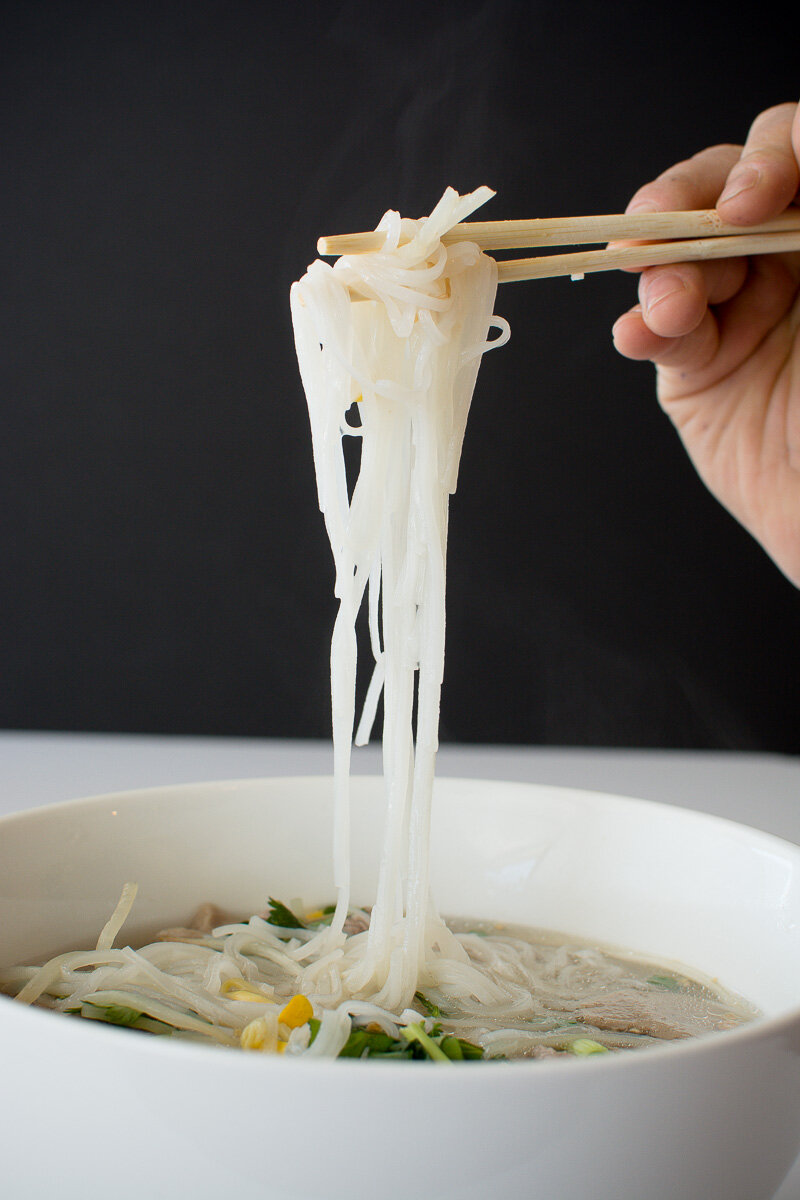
{"points": [[585, 997], [532, 994]]}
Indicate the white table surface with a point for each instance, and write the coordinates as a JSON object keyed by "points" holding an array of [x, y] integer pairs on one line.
{"points": [[758, 789]]}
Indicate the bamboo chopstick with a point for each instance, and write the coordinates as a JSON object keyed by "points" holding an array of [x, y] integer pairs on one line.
{"points": [[575, 231], [632, 257]]}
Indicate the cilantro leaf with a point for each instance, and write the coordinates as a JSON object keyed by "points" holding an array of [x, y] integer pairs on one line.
{"points": [[282, 916]]}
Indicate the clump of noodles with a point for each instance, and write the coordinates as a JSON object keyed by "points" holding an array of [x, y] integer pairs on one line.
{"points": [[389, 345], [244, 984]]}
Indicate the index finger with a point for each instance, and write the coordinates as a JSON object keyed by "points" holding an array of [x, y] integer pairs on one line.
{"points": [[694, 183], [765, 180]]}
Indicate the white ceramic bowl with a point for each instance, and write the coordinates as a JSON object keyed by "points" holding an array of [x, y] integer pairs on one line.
{"points": [[94, 1111]]}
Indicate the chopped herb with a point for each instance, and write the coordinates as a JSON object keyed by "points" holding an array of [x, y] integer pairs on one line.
{"points": [[414, 1043], [427, 1005], [666, 981], [414, 1032], [119, 1014], [584, 1046], [115, 1014], [365, 1043], [282, 916], [469, 1049], [439, 1046], [452, 1048], [321, 916], [368, 1043]]}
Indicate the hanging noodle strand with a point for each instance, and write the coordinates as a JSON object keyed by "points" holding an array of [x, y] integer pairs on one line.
{"points": [[407, 357]]}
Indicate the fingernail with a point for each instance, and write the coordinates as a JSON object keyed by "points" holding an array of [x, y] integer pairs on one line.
{"points": [[659, 289], [632, 312], [740, 180]]}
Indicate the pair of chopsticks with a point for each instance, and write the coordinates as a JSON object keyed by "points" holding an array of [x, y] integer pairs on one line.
{"points": [[671, 237]]}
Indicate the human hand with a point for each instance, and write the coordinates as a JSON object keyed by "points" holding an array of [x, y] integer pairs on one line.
{"points": [[725, 335]]}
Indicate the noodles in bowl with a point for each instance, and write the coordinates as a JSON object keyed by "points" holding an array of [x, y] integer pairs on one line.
{"points": [[510, 993]]}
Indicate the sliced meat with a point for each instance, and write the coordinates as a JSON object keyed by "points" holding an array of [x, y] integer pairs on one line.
{"points": [[663, 1015]]}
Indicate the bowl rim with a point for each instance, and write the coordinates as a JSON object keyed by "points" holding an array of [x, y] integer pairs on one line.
{"points": [[679, 811]]}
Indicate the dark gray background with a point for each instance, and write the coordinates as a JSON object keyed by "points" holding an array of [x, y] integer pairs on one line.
{"points": [[165, 171]]}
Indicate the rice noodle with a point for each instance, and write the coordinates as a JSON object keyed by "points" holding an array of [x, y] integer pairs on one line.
{"points": [[118, 918], [408, 355]]}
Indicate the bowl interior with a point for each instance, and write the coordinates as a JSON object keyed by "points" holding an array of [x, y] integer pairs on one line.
{"points": [[674, 885]]}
